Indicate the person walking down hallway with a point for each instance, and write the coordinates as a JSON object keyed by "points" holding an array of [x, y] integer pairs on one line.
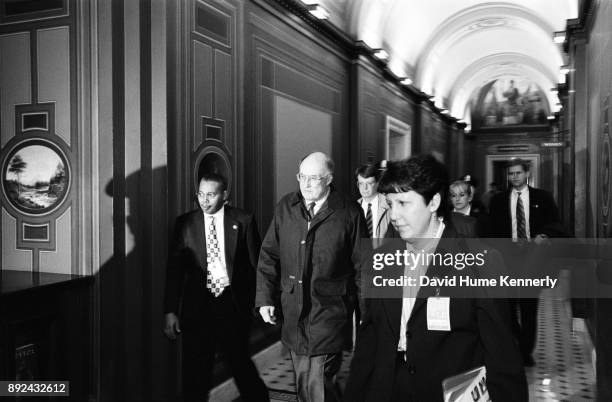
{"points": [[528, 216], [211, 269], [311, 255], [467, 220], [374, 205], [415, 337]]}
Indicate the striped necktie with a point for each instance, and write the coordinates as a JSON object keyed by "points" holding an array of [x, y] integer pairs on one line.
{"points": [[521, 228], [311, 212], [369, 219]]}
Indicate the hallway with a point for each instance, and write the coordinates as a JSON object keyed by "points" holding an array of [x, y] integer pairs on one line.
{"points": [[111, 111], [564, 369]]}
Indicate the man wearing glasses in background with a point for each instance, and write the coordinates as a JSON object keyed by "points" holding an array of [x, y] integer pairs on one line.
{"points": [[311, 254], [374, 205]]}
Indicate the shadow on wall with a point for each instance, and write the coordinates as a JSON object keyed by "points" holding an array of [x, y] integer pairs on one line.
{"points": [[135, 360]]}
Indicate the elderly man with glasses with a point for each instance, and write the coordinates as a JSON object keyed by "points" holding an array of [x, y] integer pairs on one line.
{"points": [[311, 255]]}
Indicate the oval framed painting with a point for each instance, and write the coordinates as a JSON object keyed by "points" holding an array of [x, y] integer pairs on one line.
{"points": [[36, 177]]}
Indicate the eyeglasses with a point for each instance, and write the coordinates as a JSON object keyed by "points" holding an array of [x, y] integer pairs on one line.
{"points": [[304, 178]]}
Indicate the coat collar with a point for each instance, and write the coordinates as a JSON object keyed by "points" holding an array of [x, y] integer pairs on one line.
{"points": [[334, 199]]}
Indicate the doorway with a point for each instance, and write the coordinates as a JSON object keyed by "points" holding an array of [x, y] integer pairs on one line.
{"points": [[497, 170]]}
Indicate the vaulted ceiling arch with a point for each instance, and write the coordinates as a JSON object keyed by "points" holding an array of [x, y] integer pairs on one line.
{"points": [[449, 47]]}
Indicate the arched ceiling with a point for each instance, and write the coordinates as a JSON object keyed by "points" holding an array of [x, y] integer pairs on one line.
{"points": [[452, 48]]}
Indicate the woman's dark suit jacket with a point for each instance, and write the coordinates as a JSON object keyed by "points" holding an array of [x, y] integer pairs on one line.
{"points": [[480, 335]]}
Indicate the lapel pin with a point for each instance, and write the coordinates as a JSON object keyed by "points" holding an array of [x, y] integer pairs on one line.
{"points": [[235, 227]]}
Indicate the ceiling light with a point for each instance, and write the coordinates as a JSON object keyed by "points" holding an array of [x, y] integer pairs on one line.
{"points": [[320, 12], [381, 54], [550, 117], [558, 37], [407, 81]]}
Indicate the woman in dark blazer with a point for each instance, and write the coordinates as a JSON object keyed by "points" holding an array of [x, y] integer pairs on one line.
{"points": [[401, 353], [461, 195]]}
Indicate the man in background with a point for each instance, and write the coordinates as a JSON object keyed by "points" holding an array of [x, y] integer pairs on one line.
{"points": [[373, 204], [528, 216]]}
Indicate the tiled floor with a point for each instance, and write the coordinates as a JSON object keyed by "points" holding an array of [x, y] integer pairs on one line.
{"points": [[280, 378], [563, 370], [564, 367]]}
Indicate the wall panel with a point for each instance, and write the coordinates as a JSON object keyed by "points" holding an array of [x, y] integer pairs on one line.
{"points": [[15, 81], [53, 67], [298, 129], [58, 260], [13, 258], [209, 57], [38, 104], [305, 73], [202, 89]]}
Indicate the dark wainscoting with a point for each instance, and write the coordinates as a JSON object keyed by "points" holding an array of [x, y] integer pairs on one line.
{"points": [[45, 330]]}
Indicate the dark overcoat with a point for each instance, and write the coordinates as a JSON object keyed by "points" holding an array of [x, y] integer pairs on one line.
{"points": [[315, 270]]}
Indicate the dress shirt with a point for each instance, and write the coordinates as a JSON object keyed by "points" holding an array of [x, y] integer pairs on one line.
{"points": [[374, 208], [410, 292], [317, 206], [219, 266], [525, 198]]}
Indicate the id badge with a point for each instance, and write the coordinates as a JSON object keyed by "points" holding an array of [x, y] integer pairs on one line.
{"points": [[438, 314]]}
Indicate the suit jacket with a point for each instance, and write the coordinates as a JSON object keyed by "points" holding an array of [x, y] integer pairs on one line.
{"points": [[384, 217], [186, 275], [480, 335], [466, 226], [543, 215]]}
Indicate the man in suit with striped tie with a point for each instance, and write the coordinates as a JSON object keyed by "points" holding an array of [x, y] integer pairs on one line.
{"points": [[373, 204], [211, 281], [528, 216]]}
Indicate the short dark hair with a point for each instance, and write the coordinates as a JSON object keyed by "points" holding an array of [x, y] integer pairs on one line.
{"points": [[368, 170], [519, 162], [216, 177], [422, 174]]}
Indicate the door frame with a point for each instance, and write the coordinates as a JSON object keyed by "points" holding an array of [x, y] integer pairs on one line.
{"points": [[534, 160]]}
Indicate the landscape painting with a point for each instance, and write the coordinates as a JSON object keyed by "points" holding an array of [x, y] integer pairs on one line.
{"points": [[35, 178]]}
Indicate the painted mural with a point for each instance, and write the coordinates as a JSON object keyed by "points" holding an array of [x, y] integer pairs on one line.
{"points": [[509, 102]]}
